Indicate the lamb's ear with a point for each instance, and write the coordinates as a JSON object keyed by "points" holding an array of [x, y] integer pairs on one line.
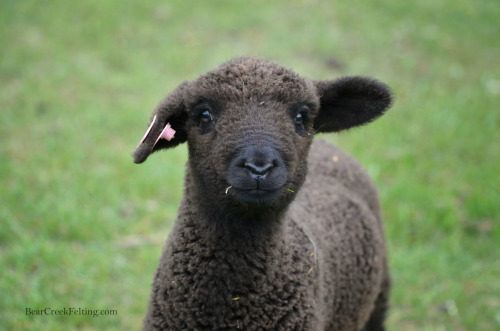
{"points": [[167, 128], [350, 101]]}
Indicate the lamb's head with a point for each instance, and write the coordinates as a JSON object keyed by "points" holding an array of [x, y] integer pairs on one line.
{"points": [[249, 125]]}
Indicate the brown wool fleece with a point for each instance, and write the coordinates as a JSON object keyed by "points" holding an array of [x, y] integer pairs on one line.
{"points": [[310, 256]]}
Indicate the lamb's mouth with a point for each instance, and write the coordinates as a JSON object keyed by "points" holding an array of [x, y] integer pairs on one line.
{"points": [[257, 196]]}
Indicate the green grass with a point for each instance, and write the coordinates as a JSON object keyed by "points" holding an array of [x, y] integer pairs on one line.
{"points": [[82, 226]]}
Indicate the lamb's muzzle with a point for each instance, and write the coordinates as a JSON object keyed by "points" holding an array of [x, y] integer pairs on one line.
{"points": [[257, 175]]}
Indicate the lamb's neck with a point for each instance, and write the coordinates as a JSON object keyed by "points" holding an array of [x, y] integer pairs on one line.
{"points": [[239, 262], [222, 231]]}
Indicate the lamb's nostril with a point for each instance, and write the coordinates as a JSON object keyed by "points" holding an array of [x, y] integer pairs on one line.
{"points": [[259, 170]]}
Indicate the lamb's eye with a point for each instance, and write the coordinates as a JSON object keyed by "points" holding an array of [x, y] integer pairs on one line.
{"points": [[299, 119], [206, 117]]}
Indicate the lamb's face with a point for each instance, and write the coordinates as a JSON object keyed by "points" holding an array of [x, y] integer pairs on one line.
{"points": [[249, 125], [249, 130]]}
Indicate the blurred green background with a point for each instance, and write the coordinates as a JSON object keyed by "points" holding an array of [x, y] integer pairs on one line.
{"points": [[82, 226]]}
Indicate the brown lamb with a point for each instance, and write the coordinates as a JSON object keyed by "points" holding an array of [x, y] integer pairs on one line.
{"points": [[274, 231]]}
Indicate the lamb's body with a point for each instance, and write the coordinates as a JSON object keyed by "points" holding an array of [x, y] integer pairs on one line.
{"points": [[274, 232], [322, 268], [338, 207]]}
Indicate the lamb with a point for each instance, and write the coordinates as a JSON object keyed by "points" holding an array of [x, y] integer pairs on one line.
{"points": [[274, 231]]}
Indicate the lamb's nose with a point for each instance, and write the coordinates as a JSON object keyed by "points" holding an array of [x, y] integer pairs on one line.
{"points": [[258, 171]]}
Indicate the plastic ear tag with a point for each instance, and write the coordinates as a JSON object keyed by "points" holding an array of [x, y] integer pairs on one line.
{"points": [[167, 133]]}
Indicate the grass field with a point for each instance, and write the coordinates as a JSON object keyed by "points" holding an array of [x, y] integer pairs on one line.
{"points": [[82, 226]]}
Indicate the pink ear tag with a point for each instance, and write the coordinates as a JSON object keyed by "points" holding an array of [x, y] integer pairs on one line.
{"points": [[149, 129], [167, 133]]}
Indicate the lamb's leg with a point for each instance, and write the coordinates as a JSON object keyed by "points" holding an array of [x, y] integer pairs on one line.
{"points": [[377, 318]]}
